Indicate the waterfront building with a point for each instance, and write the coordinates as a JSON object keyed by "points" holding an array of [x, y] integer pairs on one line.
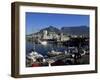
{"points": [[64, 37], [45, 34]]}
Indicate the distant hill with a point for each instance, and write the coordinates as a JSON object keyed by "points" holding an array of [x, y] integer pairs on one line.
{"points": [[76, 30]]}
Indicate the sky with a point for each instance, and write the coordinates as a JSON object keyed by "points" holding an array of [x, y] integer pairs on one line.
{"points": [[38, 21]]}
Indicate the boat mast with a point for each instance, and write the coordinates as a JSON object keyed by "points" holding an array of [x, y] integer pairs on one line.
{"points": [[33, 42], [34, 46]]}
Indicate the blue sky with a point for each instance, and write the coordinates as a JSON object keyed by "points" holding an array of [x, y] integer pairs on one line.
{"points": [[37, 21]]}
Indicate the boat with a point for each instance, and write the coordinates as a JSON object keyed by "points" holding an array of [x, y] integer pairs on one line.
{"points": [[54, 53], [34, 57], [43, 42]]}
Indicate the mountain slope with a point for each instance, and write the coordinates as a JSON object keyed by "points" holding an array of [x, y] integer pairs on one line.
{"points": [[76, 30], [51, 29]]}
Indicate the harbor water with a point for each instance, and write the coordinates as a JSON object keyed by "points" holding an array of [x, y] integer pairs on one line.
{"points": [[44, 49]]}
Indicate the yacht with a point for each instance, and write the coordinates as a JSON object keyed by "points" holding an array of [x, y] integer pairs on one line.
{"points": [[54, 53]]}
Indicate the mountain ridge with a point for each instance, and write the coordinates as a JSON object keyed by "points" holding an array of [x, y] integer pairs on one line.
{"points": [[71, 30]]}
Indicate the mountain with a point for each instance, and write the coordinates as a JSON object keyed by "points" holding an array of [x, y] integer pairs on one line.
{"points": [[51, 29], [71, 30], [76, 30]]}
